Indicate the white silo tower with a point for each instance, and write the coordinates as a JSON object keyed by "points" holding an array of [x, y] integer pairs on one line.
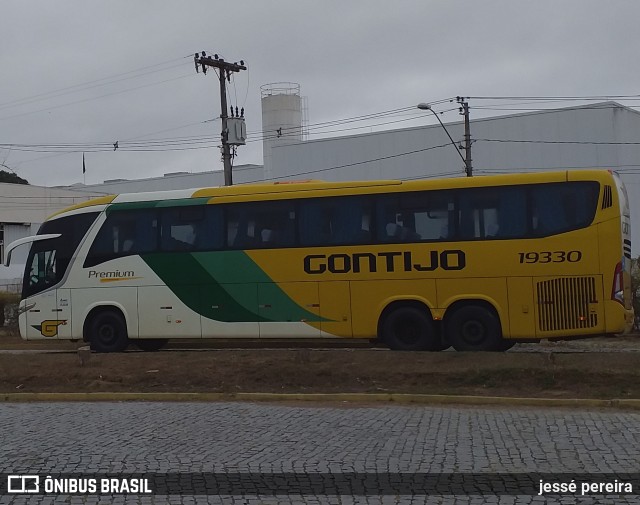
{"points": [[282, 118]]}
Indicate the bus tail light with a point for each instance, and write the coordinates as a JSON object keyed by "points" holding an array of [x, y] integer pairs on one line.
{"points": [[617, 290]]}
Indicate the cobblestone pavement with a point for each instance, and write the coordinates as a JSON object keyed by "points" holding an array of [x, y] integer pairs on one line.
{"points": [[244, 438]]}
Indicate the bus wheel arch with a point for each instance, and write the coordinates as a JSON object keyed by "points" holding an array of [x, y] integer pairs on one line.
{"points": [[105, 328], [407, 325], [474, 325]]}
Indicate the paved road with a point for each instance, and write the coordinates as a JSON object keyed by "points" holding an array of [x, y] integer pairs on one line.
{"points": [[258, 439]]}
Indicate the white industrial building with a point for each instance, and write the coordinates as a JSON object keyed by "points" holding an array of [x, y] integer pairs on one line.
{"points": [[605, 135]]}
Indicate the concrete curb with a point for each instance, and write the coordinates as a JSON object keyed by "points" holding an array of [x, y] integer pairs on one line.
{"points": [[322, 397]]}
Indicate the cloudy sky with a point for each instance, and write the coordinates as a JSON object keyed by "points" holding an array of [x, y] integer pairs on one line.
{"points": [[78, 75]]}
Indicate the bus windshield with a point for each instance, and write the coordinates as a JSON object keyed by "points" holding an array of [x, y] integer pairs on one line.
{"points": [[49, 260]]}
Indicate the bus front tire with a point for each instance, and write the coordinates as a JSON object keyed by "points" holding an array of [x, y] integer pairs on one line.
{"points": [[151, 344], [108, 332], [474, 328], [410, 329]]}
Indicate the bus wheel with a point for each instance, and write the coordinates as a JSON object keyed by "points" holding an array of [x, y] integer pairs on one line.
{"points": [[410, 329], [474, 328], [151, 344], [108, 332]]}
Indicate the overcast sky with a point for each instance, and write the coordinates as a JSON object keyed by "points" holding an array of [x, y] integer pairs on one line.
{"points": [[79, 75]]}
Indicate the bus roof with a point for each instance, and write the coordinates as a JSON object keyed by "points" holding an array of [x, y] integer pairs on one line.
{"points": [[296, 189]]}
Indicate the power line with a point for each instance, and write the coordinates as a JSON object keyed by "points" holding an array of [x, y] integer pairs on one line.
{"points": [[88, 85], [208, 141], [92, 98], [187, 139], [412, 118], [341, 121], [204, 140], [316, 128]]}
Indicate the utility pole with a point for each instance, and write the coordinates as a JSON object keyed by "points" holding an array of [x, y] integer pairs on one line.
{"points": [[203, 61], [464, 111]]}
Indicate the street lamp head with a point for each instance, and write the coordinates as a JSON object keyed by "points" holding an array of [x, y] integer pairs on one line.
{"points": [[424, 106]]}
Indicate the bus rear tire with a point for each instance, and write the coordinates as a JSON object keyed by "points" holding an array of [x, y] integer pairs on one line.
{"points": [[151, 344], [410, 329], [108, 332], [474, 328]]}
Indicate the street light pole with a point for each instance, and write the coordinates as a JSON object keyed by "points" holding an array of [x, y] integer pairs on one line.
{"points": [[466, 161]]}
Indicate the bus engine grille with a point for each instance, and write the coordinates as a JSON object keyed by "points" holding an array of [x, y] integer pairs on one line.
{"points": [[564, 304]]}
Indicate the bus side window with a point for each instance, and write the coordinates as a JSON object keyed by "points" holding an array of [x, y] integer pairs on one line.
{"points": [[335, 221], [350, 221], [258, 225], [124, 233], [416, 217], [315, 222], [210, 235], [479, 208], [240, 228], [390, 219], [512, 212], [488, 213], [191, 228], [432, 215], [435, 218], [557, 208]]}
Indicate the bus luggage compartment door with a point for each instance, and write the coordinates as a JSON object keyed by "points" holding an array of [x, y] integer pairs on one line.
{"points": [[229, 310], [335, 309], [522, 320], [289, 309], [163, 315]]}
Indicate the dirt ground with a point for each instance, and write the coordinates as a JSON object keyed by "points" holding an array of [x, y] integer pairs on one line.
{"points": [[598, 368]]}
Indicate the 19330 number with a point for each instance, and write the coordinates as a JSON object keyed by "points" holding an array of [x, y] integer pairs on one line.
{"points": [[550, 256]]}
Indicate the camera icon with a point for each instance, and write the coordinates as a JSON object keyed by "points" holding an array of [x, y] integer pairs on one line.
{"points": [[23, 484]]}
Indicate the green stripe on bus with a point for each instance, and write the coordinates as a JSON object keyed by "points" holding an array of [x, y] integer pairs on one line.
{"points": [[223, 286], [237, 266], [193, 285]]}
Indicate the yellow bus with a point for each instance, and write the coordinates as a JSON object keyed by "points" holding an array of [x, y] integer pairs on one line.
{"points": [[475, 263]]}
